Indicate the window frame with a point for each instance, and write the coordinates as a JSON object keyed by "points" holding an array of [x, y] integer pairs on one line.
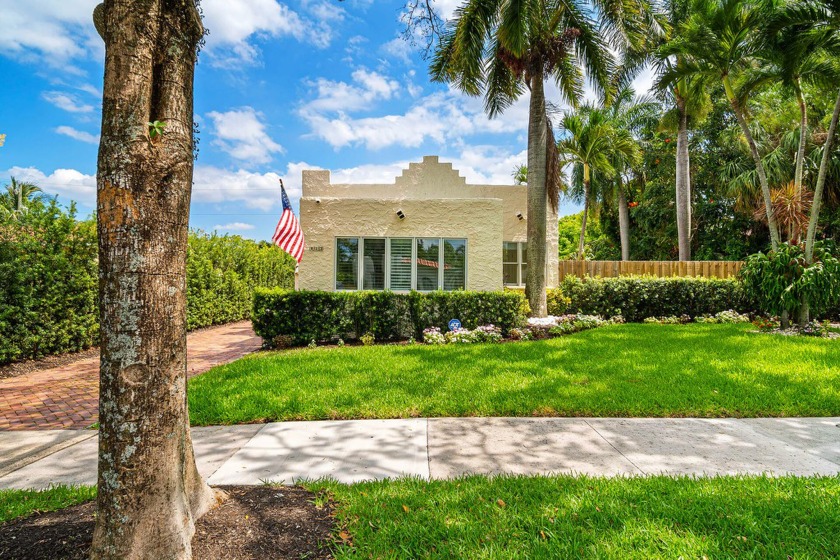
{"points": [[360, 262], [520, 245]]}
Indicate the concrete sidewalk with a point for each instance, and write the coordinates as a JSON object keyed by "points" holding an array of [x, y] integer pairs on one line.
{"points": [[356, 450]]}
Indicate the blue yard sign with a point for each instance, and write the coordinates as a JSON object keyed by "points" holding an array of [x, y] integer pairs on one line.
{"points": [[454, 325]]}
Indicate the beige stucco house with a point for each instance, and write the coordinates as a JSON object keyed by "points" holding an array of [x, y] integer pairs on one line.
{"points": [[428, 230]]}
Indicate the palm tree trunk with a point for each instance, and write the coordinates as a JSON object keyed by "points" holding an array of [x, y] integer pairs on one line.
{"points": [[623, 223], [759, 165], [810, 238], [582, 242], [820, 186], [803, 134], [683, 184], [537, 199]]}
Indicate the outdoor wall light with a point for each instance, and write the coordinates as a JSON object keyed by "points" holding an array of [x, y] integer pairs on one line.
{"points": [[400, 215], [520, 216]]}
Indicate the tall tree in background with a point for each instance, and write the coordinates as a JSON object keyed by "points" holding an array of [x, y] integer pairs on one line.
{"points": [[17, 196], [628, 115], [686, 95], [719, 40], [498, 49], [149, 490]]}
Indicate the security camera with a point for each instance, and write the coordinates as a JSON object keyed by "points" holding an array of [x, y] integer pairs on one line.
{"points": [[400, 215], [317, 201], [520, 216]]}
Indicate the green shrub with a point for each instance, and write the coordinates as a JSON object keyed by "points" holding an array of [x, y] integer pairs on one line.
{"points": [[310, 315], [48, 280], [639, 297], [780, 281]]}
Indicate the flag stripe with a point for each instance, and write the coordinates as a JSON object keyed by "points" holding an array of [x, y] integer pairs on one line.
{"points": [[288, 234]]}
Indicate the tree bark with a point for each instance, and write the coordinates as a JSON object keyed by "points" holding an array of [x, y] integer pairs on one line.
{"points": [[537, 199], [149, 491], [803, 135], [586, 186], [683, 194], [820, 186], [759, 165], [623, 223]]}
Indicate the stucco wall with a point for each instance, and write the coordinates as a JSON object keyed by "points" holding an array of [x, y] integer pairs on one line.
{"points": [[436, 201]]}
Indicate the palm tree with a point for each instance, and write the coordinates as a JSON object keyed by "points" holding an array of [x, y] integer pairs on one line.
{"points": [[17, 196], [500, 49], [592, 144], [686, 96], [718, 40], [628, 114]]}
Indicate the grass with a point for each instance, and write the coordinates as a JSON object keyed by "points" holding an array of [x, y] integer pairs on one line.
{"points": [[511, 517], [580, 517], [623, 370], [19, 503]]}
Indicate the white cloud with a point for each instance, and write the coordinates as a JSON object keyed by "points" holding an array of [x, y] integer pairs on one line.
{"points": [[79, 135], [68, 183], [398, 49], [51, 32], [235, 26], [241, 134], [234, 226], [67, 102], [440, 117], [254, 190], [334, 96]]}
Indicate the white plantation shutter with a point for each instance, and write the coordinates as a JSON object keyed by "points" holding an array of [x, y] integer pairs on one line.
{"points": [[401, 264]]}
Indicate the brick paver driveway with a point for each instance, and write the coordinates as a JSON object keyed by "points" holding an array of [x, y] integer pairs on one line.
{"points": [[68, 396]]}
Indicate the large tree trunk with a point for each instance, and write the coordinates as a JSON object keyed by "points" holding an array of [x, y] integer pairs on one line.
{"points": [[149, 491], [623, 223], [683, 194], [537, 199], [759, 165]]}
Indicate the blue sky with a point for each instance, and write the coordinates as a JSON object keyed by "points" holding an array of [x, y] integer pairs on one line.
{"points": [[280, 87]]}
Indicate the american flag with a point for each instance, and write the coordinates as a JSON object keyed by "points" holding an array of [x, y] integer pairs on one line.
{"points": [[288, 235]]}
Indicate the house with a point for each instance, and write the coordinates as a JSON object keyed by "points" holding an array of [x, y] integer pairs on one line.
{"points": [[428, 230]]}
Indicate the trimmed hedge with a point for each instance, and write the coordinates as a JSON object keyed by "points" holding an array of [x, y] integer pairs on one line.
{"points": [[284, 317], [639, 297], [48, 280]]}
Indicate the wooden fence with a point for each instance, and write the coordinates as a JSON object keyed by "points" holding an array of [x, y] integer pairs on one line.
{"points": [[662, 269]]}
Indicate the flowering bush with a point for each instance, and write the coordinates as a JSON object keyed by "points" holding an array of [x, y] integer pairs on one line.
{"points": [[432, 335], [766, 324], [521, 334], [567, 324], [724, 317], [814, 328], [670, 320]]}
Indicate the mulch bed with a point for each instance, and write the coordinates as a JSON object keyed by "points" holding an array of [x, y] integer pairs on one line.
{"points": [[255, 522]]}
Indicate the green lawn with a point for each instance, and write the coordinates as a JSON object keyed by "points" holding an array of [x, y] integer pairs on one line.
{"points": [[508, 517], [579, 517], [17, 503], [622, 370]]}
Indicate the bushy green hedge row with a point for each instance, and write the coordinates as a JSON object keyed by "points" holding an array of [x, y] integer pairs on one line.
{"points": [[48, 280], [222, 272], [288, 317], [48, 283], [639, 297]]}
